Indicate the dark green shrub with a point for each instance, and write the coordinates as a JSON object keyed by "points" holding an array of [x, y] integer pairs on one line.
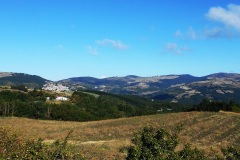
{"points": [[158, 144], [231, 153], [152, 144], [188, 153]]}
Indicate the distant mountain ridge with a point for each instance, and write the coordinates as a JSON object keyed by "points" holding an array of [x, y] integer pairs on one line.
{"points": [[183, 88], [175, 88], [132, 80]]}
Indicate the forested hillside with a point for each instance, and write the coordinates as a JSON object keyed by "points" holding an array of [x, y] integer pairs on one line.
{"points": [[31, 81], [93, 105], [81, 106]]}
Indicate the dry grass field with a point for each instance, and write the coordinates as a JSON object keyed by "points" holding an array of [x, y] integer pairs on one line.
{"points": [[103, 139]]}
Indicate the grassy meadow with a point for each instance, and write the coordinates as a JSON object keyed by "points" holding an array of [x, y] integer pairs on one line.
{"points": [[103, 139]]}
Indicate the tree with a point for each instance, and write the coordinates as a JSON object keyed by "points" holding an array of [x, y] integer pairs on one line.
{"points": [[20, 88], [151, 144]]}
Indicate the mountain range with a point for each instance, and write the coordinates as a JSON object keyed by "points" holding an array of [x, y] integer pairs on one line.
{"points": [[174, 88]]}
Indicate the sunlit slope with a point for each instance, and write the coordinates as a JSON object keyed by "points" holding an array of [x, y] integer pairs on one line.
{"points": [[104, 138]]}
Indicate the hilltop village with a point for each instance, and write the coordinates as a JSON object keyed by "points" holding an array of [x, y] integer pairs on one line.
{"points": [[51, 86]]}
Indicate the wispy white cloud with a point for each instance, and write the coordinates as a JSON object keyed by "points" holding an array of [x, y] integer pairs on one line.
{"points": [[217, 32], [178, 34], [175, 48], [91, 50], [114, 43], [189, 34], [171, 46], [229, 16], [213, 32]]}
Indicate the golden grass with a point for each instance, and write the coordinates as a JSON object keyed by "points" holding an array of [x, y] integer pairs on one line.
{"points": [[103, 139]]}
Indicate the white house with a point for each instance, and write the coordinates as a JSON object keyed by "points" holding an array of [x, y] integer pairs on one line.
{"points": [[61, 99]]}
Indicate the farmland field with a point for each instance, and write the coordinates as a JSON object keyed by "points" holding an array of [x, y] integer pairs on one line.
{"points": [[103, 139]]}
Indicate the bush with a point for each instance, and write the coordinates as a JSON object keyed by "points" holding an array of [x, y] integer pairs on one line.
{"points": [[189, 154], [152, 144], [13, 147], [231, 153]]}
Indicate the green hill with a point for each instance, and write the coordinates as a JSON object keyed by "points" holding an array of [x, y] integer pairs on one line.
{"points": [[31, 81]]}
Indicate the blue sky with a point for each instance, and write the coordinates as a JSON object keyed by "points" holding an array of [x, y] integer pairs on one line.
{"points": [[58, 39]]}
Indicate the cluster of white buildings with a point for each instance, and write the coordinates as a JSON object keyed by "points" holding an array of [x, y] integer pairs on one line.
{"points": [[55, 87], [61, 99]]}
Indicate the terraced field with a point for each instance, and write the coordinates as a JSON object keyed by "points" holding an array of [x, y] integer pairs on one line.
{"points": [[103, 139]]}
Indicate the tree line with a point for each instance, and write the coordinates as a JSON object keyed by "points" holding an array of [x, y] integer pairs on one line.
{"points": [[80, 107], [84, 106], [215, 106]]}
